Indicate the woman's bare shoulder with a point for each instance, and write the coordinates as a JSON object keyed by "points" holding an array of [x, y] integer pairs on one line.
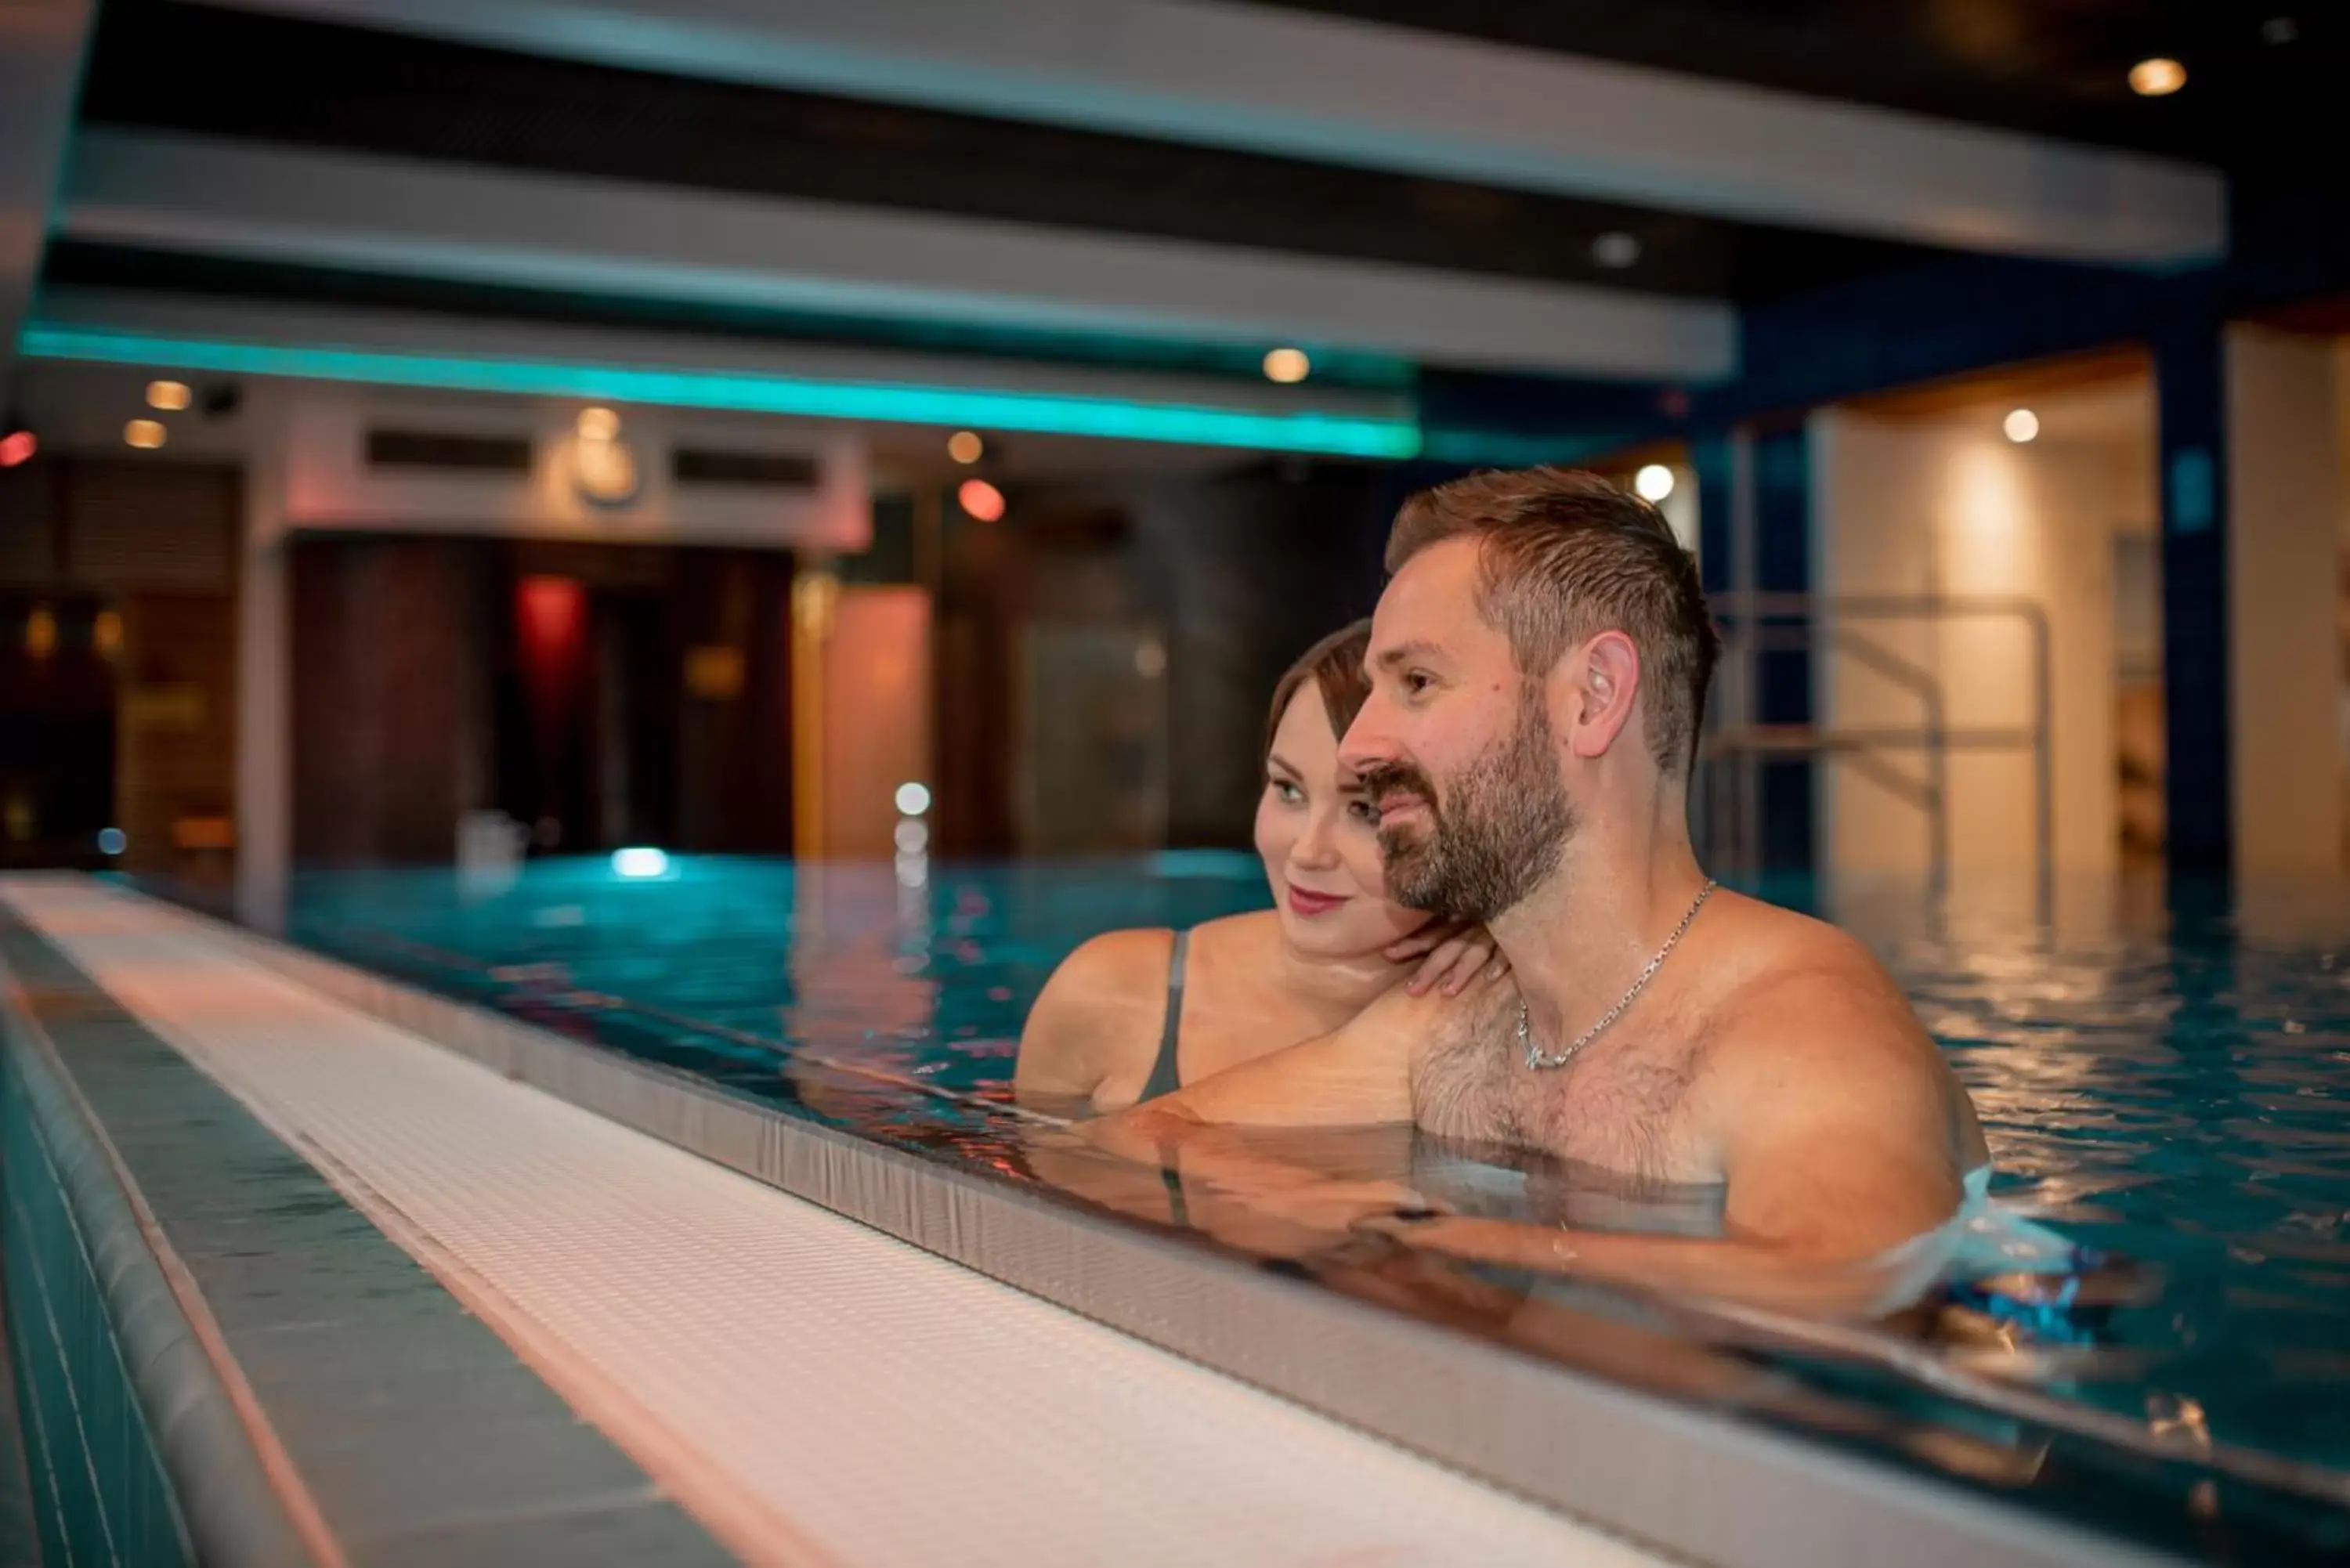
{"points": [[1108, 968], [1103, 1003], [1252, 932]]}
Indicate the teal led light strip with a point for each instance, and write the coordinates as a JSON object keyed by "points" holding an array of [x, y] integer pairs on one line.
{"points": [[1337, 435]]}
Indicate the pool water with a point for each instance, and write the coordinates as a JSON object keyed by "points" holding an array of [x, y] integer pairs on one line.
{"points": [[2172, 1094]]}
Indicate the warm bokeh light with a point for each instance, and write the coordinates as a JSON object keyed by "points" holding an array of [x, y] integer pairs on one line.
{"points": [[1654, 481], [169, 396], [106, 632], [913, 799], [17, 446], [2021, 425], [2156, 78], [981, 500], [41, 633], [1287, 364], [145, 434], [598, 424], [964, 446]]}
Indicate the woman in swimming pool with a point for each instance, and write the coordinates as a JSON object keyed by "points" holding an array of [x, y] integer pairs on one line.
{"points": [[1134, 1015]]}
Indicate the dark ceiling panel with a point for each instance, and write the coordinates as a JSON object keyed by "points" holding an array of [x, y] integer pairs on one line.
{"points": [[177, 67], [78, 263], [2262, 78]]}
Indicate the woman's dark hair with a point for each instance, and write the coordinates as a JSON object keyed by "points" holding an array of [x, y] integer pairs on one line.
{"points": [[1334, 665]]}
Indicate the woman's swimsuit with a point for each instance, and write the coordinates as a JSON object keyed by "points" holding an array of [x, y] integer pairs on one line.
{"points": [[1166, 1075]]}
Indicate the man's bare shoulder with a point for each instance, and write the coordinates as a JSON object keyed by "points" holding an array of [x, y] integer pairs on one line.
{"points": [[1812, 1032], [1801, 993]]}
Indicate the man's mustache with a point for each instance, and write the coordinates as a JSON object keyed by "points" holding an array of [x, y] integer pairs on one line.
{"points": [[1384, 779]]}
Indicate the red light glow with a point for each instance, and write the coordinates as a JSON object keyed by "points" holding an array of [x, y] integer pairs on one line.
{"points": [[551, 617], [980, 499], [17, 446]]}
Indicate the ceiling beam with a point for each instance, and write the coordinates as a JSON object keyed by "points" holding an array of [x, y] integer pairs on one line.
{"points": [[391, 349], [1345, 92], [42, 44], [332, 209]]}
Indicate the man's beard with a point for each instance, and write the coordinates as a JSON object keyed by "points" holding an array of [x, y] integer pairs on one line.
{"points": [[1498, 835]]}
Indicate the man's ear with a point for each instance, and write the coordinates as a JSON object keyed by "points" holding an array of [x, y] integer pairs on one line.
{"points": [[1603, 678]]}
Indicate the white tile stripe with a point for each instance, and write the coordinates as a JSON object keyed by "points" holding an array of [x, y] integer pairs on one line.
{"points": [[892, 1406]]}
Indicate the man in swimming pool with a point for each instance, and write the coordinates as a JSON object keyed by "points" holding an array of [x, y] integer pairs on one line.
{"points": [[1539, 664]]}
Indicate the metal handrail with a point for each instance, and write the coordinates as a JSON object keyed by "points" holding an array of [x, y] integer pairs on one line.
{"points": [[1755, 623]]}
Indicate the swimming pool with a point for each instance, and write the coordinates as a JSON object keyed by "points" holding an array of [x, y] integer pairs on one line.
{"points": [[2169, 1093]]}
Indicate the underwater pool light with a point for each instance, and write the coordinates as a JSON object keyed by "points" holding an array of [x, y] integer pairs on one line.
{"points": [[640, 863]]}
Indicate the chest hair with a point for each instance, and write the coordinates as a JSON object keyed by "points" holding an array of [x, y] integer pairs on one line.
{"points": [[1619, 1107]]}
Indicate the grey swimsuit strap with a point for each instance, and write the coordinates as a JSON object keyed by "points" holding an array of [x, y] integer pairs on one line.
{"points": [[1165, 1077]]}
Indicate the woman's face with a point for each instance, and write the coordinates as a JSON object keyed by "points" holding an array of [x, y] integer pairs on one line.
{"points": [[1320, 840]]}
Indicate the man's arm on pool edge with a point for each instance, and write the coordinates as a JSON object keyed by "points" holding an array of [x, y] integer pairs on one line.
{"points": [[1358, 1075], [1243, 1193], [1333, 1080]]}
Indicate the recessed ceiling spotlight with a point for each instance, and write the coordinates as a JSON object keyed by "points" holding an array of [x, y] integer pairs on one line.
{"points": [[964, 446], [144, 434], [1287, 365], [169, 396], [2280, 30], [1615, 250], [2156, 78], [2021, 425]]}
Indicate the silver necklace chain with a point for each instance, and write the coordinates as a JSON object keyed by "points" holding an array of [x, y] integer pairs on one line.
{"points": [[1537, 1058]]}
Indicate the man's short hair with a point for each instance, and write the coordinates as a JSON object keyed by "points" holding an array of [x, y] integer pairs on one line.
{"points": [[1564, 555]]}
